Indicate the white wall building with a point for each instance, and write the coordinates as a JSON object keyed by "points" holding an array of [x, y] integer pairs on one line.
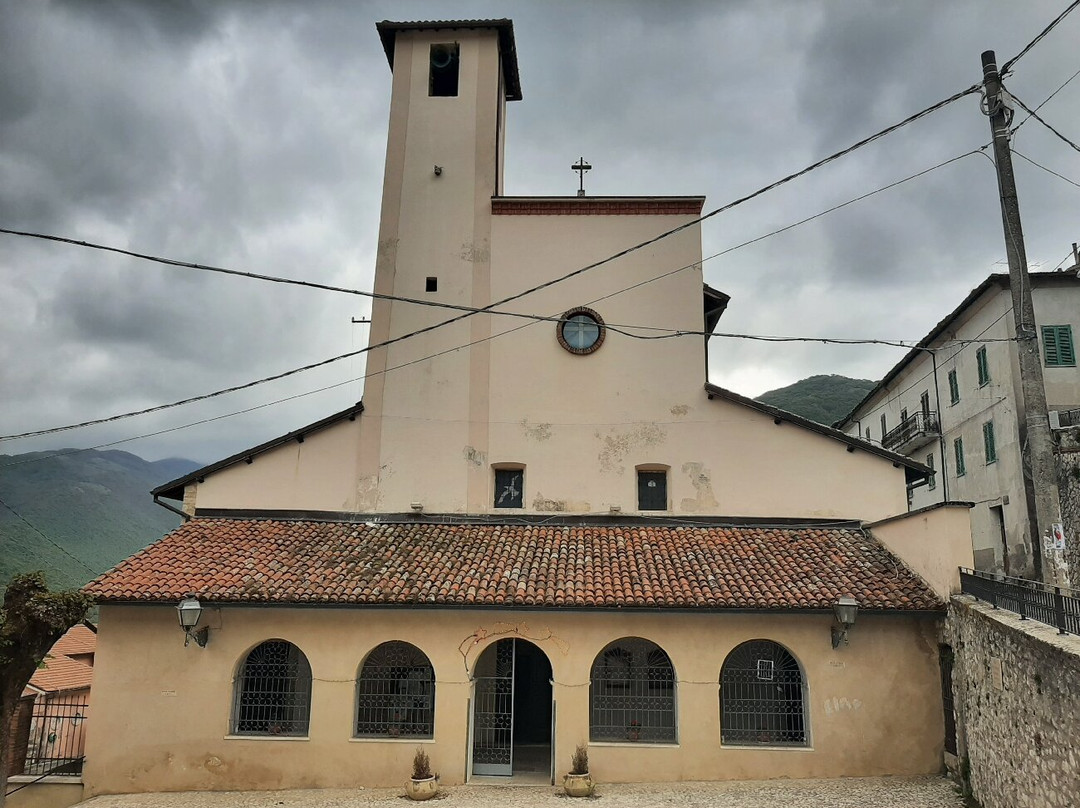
{"points": [[955, 403]]}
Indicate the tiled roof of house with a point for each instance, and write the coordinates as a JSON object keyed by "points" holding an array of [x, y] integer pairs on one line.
{"points": [[79, 639], [61, 673], [530, 565]]}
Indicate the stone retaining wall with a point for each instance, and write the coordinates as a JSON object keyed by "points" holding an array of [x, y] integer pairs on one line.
{"points": [[1016, 685]]}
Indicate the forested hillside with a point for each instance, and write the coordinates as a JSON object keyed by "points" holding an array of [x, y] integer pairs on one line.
{"points": [[825, 399]]}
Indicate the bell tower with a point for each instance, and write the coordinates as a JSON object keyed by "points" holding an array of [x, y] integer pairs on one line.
{"points": [[444, 163]]}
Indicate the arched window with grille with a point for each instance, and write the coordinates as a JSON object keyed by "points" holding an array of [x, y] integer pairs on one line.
{"points": [[273, 691], [632, 693], [395, 693], [762, 697]]}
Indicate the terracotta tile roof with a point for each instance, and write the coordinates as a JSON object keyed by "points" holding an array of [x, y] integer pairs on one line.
{"points": [[61, 673], [632, 565], [79, 639]]}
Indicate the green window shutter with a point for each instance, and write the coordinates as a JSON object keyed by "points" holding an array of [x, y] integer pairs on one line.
{"points": [[958, 447], [954, 388], [984, 366], [1058, 347], [988, 442], [932, 482]]}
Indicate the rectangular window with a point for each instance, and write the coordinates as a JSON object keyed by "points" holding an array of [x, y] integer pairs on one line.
{"points": [[431, 284], [984, 366], [1058, 347], [954, 388], [932, 482], [988, 442], [903, 415], [958, 448], [884, 427], [652, 490], [868, 433], [924, 404], [509, 488], [443, 79]]}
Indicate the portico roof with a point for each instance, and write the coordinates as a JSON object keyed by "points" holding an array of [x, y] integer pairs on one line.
{"points": [[638, 564]]}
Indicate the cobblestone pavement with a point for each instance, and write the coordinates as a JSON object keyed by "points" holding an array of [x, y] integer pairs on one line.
{"points": [[878, 792]]}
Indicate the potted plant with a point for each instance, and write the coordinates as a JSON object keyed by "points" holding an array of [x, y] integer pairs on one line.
{"points": [[633, 730], [579, 783], [423, 785]]}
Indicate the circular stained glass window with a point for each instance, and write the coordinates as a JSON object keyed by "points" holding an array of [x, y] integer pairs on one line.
{"points": [[581, 331]]}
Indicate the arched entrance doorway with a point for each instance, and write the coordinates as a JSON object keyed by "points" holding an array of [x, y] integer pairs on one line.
{"points": [[511, 734]]}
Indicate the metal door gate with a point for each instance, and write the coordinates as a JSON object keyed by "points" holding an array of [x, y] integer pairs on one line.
{"points": [[493, 715]]}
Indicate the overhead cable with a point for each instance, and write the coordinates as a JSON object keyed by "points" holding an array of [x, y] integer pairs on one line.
{"points": [[1005, 68], [1036, 116], [1047, 170]]}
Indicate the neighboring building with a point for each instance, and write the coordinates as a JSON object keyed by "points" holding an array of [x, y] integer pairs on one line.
{"points": [[530, 534], [955, 403], [50, 720]]}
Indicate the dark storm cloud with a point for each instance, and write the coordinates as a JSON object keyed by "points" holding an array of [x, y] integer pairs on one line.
{"points": [[251, 135]]}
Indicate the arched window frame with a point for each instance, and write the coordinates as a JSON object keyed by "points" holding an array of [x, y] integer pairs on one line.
{"points": [[272, 691], [395, 693], [632, 694], [763, 697]]}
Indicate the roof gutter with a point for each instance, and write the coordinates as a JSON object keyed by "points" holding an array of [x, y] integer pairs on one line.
{"points": [[168, 507]]}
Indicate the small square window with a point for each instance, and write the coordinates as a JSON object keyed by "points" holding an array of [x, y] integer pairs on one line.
{"points": [[431, 284], [509, 488], [652, 490], [1058, 347]]}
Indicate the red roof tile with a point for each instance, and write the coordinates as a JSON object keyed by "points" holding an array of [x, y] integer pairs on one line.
{"points": [[711, 567], [61, 673], [79, 639]]}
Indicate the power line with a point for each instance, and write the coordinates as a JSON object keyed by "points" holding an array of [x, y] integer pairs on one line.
{"points": [[1044, 168], [1005, 68], [1036, 116], [619, 329], [27, 522], [1058, 90]]}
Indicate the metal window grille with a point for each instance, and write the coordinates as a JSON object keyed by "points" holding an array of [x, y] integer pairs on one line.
{"points": [[395, 693], [761, 697], [49, 735], [632, 693], [273, 691], [509, 488]]}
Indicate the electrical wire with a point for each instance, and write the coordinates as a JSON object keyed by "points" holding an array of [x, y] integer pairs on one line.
{"points": [[34, 528], [673, 332], [1037, 117], [1007, 67], [1058, 90], [1047, 170]]}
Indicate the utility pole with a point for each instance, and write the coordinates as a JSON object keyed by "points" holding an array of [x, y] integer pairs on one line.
{"points": [[1035, 428]]}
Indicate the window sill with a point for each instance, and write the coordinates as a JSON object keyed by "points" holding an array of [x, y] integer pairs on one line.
{"points": [[267, 738], [388, 739], [631, 744], [66, 779], [766, 748]]}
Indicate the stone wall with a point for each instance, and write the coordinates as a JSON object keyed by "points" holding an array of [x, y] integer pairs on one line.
{"points": [[1016, 685], [1068, 473]]}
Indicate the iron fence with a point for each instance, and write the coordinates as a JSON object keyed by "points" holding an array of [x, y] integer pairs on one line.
{"points": [[51, 742], [1051, 605], [1069, 417], [918, 424]]}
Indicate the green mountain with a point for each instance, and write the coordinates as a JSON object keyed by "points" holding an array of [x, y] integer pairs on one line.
{"points": [[825, 399], [76, 514]]}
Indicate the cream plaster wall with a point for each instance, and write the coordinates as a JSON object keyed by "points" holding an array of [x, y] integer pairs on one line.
{"points": [[935, 543], [162, 710], [52, 792]]}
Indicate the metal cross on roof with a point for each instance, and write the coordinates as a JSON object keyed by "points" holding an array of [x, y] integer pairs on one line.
{"points": [[581, 167]]}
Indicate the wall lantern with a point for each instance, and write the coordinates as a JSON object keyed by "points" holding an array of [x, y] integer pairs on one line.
{"points": [[845, 610], [189, 610]]}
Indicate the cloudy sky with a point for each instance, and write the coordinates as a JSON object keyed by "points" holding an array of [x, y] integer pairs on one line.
{"points": [[251, 135]]}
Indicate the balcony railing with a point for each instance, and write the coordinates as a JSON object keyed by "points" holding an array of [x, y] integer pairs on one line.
{"points": [[1052, 605], [914, 431], [1067, 418]]}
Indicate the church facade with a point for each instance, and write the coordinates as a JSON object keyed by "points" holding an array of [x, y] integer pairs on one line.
{"points": [[535, 531]]}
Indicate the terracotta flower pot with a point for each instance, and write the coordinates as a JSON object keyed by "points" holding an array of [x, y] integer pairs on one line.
{"points": [[421, 789], [578, 785]]}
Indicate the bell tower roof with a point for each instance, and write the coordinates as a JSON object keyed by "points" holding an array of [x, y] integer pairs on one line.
{"points": [[388, 32]]}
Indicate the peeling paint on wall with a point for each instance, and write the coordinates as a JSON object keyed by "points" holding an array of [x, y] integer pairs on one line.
{"points": [[387, 248], [701, 480], [549, 505], [475, 253], [680, 409], [616, 446], [474, 456], [536, 432]]}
